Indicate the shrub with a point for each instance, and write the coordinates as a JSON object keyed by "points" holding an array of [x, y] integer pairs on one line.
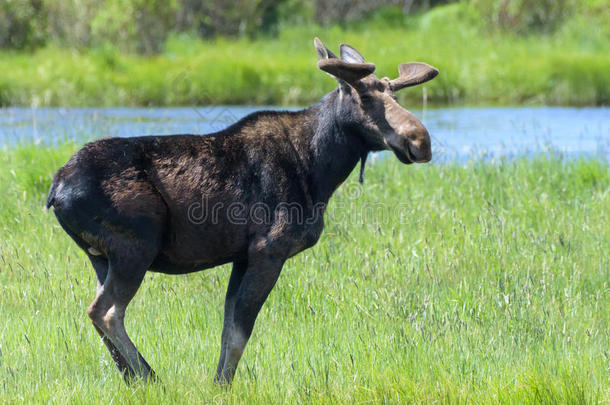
{"points": [[523, 16], [135, 25], [69, 21], [20, 23]]}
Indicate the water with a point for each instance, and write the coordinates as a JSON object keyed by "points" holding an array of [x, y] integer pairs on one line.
{"points": [[457, 133], [467, 132]]}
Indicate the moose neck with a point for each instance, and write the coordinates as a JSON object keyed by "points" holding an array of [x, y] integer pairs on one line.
{"points": [[333, 151]]}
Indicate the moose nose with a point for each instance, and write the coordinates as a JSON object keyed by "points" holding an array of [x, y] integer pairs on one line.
{"points": [[409, 140], [418, 143]]}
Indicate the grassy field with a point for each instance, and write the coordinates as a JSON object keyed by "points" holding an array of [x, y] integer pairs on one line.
{"points": [[483, 282], [570, 66]]}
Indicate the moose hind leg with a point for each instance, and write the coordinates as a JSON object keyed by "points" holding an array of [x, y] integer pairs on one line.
{"points": [[107, 312], [100, 265]]}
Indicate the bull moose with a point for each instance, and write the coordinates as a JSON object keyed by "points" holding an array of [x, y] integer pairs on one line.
{"points": [[127, 202]]}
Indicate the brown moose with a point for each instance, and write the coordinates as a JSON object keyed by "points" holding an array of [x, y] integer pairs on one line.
{"points": [[129, 202]]}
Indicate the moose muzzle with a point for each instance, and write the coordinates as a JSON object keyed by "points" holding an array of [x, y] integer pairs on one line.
{"points": [[408, 139]]}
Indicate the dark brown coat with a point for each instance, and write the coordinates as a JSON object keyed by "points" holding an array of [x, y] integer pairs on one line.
{"points": [[253, 194]]}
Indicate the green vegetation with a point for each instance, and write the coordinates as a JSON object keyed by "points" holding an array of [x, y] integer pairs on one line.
{"points": [[435, 283], [478, 65], [144, 25], [483, 282]]}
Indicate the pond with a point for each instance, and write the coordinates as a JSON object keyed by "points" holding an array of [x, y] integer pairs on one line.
{"points": [[457, 133]]}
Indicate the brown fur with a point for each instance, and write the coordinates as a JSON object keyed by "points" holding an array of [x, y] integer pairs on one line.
{"points": [[253, 194]]}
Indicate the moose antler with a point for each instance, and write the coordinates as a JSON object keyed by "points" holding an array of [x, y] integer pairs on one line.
{"points": [[411, 74], [348, 68], [350, 72]]}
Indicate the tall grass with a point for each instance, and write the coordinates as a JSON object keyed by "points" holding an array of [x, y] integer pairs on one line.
{"points": [[477, 282], [477, 66]]}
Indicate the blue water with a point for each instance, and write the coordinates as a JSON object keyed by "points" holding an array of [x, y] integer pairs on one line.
{"points": [[457, 133]]}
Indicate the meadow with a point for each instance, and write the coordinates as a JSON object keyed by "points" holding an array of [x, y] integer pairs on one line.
{"points": [[476, 282], [570, 66]]}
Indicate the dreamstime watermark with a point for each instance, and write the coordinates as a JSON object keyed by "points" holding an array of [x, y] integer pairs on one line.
{"points": [[238, 213], [345, 211]]}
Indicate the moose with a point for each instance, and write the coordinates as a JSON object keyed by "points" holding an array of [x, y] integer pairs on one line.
{"points": [[127, 202]]}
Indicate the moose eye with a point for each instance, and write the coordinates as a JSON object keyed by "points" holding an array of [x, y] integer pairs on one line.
{"points": [[365, 98]]}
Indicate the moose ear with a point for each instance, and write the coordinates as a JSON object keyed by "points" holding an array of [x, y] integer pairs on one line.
{"points": [[322, 51], [350, 72], [350, 55], [411, 74]]}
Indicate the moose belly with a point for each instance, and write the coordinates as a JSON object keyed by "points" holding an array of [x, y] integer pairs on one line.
{"points": [[165, 264], [190, 247]]}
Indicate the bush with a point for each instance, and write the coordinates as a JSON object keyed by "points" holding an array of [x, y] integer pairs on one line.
{"points": [[143, 25], [134, 25], [238, 18], [20, 23], [524, 16], [342, 11], [68, 22]]}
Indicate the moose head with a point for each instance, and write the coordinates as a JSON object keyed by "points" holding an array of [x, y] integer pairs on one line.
{"points": [[369, 107]]}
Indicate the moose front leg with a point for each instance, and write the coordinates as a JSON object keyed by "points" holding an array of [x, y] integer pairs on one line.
{"points": [[237, 274], [246, 301]]}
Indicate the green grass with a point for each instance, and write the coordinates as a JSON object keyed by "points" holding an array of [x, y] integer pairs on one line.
{"points": [[477, 66], [484, 282]]}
